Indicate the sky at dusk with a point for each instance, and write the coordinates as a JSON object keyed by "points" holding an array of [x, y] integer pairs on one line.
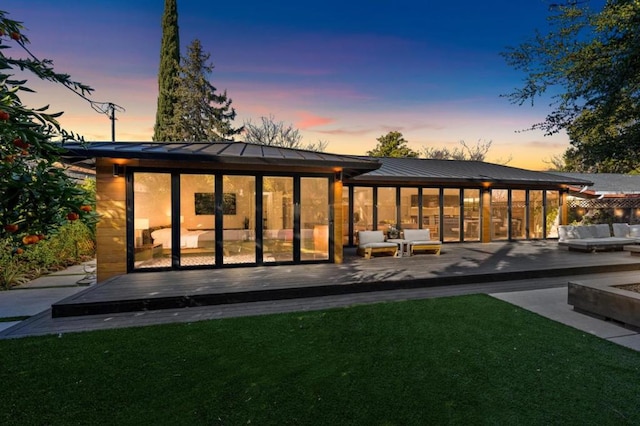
{"points": [[345, 72]]}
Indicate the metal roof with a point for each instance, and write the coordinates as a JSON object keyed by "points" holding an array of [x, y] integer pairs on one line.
{"points": [[426, 171], [227, 152], [607, 183], [356, 169]]}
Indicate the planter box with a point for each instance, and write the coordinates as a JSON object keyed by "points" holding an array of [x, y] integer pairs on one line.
{"points": [[604, 299]]}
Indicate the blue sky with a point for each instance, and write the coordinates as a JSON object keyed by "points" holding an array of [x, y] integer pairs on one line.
{"points": [[343, 72]]}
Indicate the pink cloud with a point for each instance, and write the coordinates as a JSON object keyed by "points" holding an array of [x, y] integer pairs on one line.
{"points": [[308, 120]]}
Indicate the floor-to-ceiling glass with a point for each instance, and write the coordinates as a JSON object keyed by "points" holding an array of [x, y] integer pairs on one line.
{"points": [[431, 211], [197, 220], [536, 214], [471, 211], [451, 215], [152, 220], [238, 200], [277, 207], [518, 214], [314, 218], [552, 213], [409, 208], [499, 214]]}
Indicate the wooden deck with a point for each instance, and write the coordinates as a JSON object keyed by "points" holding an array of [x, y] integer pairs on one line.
{"points": [[458, 264]]}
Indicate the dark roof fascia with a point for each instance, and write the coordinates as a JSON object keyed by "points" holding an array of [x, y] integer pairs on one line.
{"points": [[471, 182], [220, 152]]}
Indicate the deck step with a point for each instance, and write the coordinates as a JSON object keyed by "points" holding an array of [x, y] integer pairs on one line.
{"points": [[83, 304]]}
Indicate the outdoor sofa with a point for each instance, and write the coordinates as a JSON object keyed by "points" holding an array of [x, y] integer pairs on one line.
{"points": [[624, 230], [370, 242], [591, 238], [420, 240]]}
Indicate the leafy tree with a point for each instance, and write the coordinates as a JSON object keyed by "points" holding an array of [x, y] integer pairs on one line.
{"points": [[37, 196], [393, 144], [272, 133], [169, 69], [593, 59], [200, 114]]}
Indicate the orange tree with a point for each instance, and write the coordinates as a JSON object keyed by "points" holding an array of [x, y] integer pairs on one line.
{"points": [[37, 196]]}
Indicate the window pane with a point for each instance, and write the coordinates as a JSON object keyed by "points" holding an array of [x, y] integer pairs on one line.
{"points": [[408, 208], [314, 218], [197, 220], [518, 211], [552, 213], [431, 211], [362, 210], [471, 214], [451, 218], [277, 206], [386, 208], [499, 214], [536, 218], [152, 220], [238, 205], [346, 208]]}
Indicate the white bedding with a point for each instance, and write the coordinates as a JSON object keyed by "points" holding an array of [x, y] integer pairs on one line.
{"points": [[188, 239]]}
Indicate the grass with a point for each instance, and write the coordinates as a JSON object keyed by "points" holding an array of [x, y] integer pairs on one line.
{"points": [[461, 360]]}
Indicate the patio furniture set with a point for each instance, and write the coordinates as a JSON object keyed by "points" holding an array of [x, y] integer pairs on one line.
{"points": [[411, 241]]}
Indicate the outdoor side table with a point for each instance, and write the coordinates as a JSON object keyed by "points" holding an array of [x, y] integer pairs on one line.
{"points": [[403, 246]]}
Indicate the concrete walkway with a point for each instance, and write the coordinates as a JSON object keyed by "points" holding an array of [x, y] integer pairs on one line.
{"points": [[35, 298], [37, 295]]}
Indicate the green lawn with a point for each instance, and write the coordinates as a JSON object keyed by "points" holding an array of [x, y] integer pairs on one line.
{"points": [[462, 360]]}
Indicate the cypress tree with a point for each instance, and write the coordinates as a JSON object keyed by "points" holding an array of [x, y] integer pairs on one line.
{"points": [[169, 69]]}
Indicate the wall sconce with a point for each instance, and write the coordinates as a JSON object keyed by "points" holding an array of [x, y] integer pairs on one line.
{"points": [[338, 176], [117, 170]]}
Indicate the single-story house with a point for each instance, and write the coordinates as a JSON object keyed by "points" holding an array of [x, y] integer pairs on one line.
{"points": [[220, 204]]}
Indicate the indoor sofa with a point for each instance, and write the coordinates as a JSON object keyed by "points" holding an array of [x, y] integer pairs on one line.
{"points": [[590, 238]]}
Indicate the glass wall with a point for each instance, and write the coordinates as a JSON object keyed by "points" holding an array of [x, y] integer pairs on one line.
{"points": [[552, 213], [431, 211], [314, 218], [197, 220], [409, 208], [536, 216], [451, 215], [386, 208], [238, 205], [499, 214], [152, 220], [277, 206], [471, 211], [518, 214]]}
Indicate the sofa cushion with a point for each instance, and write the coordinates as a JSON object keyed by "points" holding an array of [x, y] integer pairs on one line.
{"points": [[379, 245], [584, 232], [417, 234], [601, 230], [620, 230], [634, 231], [366, 237]]}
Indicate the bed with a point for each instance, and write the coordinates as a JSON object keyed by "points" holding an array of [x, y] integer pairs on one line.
{"points": [[188, 239]]}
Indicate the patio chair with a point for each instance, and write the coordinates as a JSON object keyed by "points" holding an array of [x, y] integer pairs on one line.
{"points": [[420, 240], [370, 242]]}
